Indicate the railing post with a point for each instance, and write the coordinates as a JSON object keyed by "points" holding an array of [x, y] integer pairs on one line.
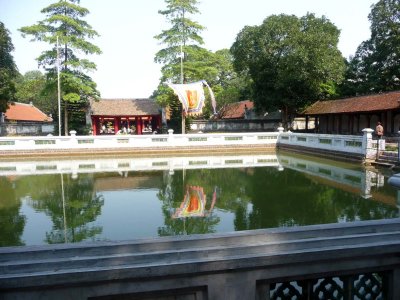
{"points": [[73, 139], [368, 152], [170, 135]]}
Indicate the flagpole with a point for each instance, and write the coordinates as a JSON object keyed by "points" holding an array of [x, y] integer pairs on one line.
{"points": [[58, 90], [183, 40], [183, 110]]}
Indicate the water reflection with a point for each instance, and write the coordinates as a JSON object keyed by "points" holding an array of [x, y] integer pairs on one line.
{"points": [[114, 199], [11, 222]]}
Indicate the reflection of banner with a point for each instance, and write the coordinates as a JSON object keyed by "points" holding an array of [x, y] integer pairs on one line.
{"points": [[194, 203], [191, 95]]}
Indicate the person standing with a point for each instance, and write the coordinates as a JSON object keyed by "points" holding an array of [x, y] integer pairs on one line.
{"points": [[379, 130]]}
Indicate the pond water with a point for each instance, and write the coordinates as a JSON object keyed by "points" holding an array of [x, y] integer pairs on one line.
{"points": [[69, 201]]}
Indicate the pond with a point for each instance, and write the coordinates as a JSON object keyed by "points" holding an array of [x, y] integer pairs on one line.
{"points": [[110, 199]]}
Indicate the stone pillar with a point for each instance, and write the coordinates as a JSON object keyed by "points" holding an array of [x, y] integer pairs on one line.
{"points": [[368, 151], [170, 135]]}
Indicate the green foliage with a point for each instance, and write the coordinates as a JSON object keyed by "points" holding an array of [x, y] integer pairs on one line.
{"points": [[198, 62], [8, 69], [64, 19], [32, 87], [376, 67], [72, 219], [291, 61]]}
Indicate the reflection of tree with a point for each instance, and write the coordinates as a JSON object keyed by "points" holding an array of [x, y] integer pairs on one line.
{"points": [[71, 218], [292, 198], [11, 222], [266, 198]]}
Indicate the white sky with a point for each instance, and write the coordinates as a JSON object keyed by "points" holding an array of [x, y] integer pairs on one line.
{"points": [[126, 69]]}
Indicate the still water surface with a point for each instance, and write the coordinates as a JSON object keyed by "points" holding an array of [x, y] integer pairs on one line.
{"points": [[128, 198]]}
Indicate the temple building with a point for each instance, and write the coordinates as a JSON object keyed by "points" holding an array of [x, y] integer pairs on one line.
{"points": [[352, 115], [124, 116]]}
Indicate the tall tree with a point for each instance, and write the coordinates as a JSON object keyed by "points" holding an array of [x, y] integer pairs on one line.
{"points": [[198, 63], [291, 61], [376, 67], [179, 56], [8, 69], [181, 39], [64, 20]]}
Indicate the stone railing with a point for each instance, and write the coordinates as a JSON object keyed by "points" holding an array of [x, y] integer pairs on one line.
{"points": [[151, 141], [363, 147], [358, 260], [359, 147]]}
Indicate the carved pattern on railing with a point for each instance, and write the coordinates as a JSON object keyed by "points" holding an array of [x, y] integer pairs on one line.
{"points": [[361, 286], [368, 286]]}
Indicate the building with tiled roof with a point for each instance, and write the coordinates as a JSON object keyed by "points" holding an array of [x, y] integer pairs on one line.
{"points": [[352, 115], [112, 116], [17, 112], [25, 119], [238, 110]]}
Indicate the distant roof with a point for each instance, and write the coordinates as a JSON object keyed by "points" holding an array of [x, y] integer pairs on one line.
{"points": [[124, 107], [25, 112], [377, 102], [236, 110]]}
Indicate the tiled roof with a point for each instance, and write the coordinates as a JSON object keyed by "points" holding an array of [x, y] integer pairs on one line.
{"points": [[124, 107], [236, 110], [25, 112], [377, 102]]}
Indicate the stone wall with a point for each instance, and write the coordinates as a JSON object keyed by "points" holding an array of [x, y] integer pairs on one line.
{"points": [[359, 259], [26, 129], [243, 125], [234, 125]]}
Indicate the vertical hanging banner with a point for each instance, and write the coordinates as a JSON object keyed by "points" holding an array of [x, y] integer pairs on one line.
{"points": [[191, 95]]}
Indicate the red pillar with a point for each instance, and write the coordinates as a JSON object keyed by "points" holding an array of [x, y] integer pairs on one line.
{"points": [[139, 125], [116, 124], [94, 125]]}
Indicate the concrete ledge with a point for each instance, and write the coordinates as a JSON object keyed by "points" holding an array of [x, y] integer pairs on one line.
{"points": [[337, 155], [108, 268], [138, 151]]}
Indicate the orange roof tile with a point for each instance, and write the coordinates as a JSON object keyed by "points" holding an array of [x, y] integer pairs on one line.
{"points": [[124, 107], [236, 110], [25, 112], [377, 102]]}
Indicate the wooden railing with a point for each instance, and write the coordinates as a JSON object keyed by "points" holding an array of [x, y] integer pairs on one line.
{"points": [[358, 260]]}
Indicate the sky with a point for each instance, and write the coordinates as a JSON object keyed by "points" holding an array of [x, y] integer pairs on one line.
{"points": [[126, 68]]}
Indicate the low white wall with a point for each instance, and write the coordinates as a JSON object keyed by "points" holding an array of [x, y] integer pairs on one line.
{"points": [[360, 146], [161, 141]]}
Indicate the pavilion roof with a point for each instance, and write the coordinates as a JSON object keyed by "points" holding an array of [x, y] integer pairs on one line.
{"points": [[377, 102], [25, 112], [124, 107]]}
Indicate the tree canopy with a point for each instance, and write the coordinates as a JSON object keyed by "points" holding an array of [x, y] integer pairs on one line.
{"points": [[291, 61], [8, 69], [375, 66], [32, 87], [64, 20]]}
